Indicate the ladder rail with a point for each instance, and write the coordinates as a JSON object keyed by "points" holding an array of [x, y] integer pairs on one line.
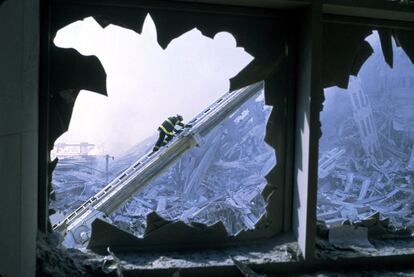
{"points": [[201, 125]]}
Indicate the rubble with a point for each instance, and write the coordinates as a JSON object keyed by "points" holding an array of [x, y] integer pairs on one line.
{"points": [[220, 181], [362, 113], [245, 269], [54, 260], [372, 236], [77, 178], [366, 151], [343, 236]]}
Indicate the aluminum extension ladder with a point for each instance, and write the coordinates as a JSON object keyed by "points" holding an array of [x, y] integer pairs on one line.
{"points": [[76, 227]]}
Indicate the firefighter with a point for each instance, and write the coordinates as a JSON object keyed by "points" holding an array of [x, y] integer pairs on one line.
{"points": [[167, 130]]}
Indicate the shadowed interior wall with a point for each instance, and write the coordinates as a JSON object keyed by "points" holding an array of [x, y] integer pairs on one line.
{"points": [[18, 136], [308, 104]]}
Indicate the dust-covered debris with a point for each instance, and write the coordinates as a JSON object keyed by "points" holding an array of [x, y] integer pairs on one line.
{"points": [[346, 235], [245, 269], [112, 261], [221, 181], [54, 260], [372, 236], [253, 254], [366, 163]]}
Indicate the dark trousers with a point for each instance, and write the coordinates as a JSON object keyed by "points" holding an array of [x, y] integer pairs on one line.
{"points": [[163, 139]]}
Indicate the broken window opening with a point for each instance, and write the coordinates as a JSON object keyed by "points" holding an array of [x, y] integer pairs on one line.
{"points": [[85, 168], [366, 168], [221, 180]]}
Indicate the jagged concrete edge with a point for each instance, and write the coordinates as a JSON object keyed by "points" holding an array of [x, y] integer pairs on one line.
{"points": [[349, 40], [174, 235], [405, 39], [333, 43], [263, 65], [158, 231], [386, 45], [67, 61], [265, 49], [65, 85], [167, 32], [60, 111]]}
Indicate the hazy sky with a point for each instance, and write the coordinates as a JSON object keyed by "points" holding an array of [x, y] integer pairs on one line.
{"points": [[374, 66], [145, 83]]}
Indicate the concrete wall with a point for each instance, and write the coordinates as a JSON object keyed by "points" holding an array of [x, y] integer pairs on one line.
{"points": [[309, 102], [18, 136]]}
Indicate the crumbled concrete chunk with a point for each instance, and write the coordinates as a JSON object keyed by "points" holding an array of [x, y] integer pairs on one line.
{"points": [[345, 236]]}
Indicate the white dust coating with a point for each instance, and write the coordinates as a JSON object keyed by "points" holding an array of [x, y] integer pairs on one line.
{"points": [[146, 83]]}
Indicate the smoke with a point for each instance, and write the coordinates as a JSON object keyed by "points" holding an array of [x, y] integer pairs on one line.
{"points": [[145, 83]]}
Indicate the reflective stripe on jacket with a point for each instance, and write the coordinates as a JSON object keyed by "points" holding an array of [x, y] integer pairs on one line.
{"points": [[168, 126]]}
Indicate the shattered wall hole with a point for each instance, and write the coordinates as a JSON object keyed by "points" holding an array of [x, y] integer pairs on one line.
{"points": [[221, 181], [366, 159], [145, 82]]}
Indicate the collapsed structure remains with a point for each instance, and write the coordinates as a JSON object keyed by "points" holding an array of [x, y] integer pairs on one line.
{"points": [[366, 159]]}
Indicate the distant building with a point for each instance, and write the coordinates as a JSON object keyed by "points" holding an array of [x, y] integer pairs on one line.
{"points": [[63, 149], [364, 120]]}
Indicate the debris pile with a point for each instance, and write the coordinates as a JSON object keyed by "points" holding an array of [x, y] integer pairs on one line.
{"points": [[362, 176], [77, 178], [221, 180], [366, 162], [54, 260], [372, 236], [364, 233], [74, 180]]}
